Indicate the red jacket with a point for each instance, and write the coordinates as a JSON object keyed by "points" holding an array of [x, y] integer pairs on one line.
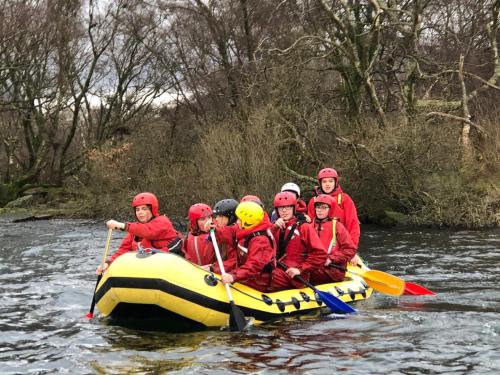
{"points": [[304, 251], [252, 260], [345, 212], [301, 206], [342, 250], [158, 233], [226, 239], [199, 249]]}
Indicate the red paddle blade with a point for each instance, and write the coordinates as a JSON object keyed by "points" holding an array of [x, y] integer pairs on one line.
{"points": [[417, 290], [89, 315]]}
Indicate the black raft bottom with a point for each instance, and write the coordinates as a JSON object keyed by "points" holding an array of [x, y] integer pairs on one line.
{"points": [[152, 318]]}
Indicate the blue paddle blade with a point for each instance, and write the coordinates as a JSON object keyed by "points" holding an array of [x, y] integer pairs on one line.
{"points": [[335, 304]]}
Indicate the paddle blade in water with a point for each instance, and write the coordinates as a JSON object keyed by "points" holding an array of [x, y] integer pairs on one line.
{"points": [[383, 282], [237, 321], [90, 314], [417, 290], [335, 304]]}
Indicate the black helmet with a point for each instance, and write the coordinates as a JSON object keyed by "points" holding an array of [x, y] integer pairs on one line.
{"points": [[226, 207]]}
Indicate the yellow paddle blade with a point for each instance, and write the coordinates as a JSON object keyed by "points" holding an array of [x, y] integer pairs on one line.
{"points": [[380, 281]]}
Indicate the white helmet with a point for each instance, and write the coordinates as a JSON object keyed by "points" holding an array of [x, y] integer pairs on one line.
{"points": [[290, 186]]}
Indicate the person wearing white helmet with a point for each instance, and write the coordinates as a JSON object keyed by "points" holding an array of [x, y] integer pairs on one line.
{"points": [[292, 187], [301, 210]]}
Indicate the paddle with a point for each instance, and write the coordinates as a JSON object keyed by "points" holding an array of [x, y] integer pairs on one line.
{"points": [[380, 281], [90, 314], [417, 290], [334, 303], [237, 321]]}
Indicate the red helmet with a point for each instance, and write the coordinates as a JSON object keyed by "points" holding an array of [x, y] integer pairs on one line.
{"points": [[325, 199], [285, 198], [149, 199], [327, 173], [252, 198], [197, 211]]}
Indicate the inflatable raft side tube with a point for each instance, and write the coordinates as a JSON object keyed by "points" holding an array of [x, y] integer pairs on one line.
{"points": [[188, 295]]}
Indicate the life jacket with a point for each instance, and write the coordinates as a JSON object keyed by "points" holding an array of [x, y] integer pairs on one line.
{"points": [[199, 249], [318, 225], [242, 249], [283, 242], [334, 236]]}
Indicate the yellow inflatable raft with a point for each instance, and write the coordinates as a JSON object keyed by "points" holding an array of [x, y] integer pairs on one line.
{"points": [[166, 290]]}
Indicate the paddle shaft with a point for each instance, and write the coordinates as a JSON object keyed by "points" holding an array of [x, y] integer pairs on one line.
{"points": [[237, 321], [298, 277], [221, 265], [337, 266], [334, 303], [99, 277]]}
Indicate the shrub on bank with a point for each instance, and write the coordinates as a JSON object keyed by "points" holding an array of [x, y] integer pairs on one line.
{"points": [[413, 169]]}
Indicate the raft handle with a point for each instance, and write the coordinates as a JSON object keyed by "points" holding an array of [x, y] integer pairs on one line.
{"points": [[210, 279]]}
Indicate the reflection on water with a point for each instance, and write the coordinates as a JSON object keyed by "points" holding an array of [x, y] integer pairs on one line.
{"points": [[47, 279]]}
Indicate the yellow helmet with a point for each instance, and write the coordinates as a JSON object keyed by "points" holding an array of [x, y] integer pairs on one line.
{"points": [[250, 214]]}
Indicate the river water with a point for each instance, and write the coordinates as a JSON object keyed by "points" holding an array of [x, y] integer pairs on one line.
{"points": [[47, 280]]}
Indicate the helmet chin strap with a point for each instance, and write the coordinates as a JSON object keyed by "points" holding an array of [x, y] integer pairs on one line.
{"points": [[323, 220]]}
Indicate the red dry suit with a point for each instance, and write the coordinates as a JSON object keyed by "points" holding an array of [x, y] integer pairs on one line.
{"points": [[343, 209], [199, 249], [340, 250], [226, 240], [301, 206], [304, 251], [254, 257], [158, 233]]}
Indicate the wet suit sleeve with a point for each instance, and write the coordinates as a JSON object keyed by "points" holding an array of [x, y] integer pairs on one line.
{"points": [[260, 253], [158, 228], [351, 219], [125, 246], [344, 249]]}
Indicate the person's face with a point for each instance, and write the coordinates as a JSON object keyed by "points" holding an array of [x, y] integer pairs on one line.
{"points": [[221, 220], [328, 184], [285, 212], [322, 211], [239, 224], [143, 213], [203, 223]]}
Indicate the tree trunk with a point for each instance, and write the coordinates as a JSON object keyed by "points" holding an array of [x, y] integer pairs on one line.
{"points": [[467, 150]]}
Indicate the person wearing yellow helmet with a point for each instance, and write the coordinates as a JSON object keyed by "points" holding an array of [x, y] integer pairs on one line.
{"points": [[255, 255]]}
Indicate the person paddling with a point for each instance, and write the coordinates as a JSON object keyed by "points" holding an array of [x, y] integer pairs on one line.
{"points": [[152, 231], [336, 240], [226, 233], [198, 247], [225, 228], [255, 256], [298, 246]]}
